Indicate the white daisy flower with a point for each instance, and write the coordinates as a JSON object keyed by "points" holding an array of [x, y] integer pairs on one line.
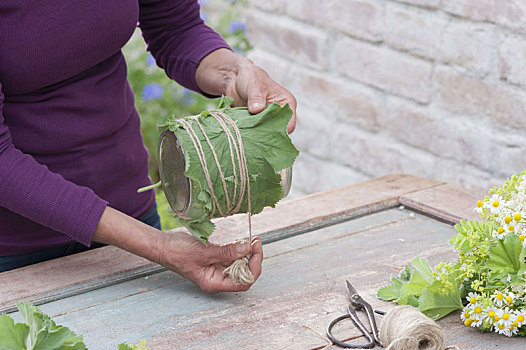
{"points": [[495, 203], [505, 316], [472, 298], [497, 298], [489, 314], [520, 317]]}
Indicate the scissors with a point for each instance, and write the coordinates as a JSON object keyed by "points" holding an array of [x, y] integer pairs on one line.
{"points": [[357, 304]]}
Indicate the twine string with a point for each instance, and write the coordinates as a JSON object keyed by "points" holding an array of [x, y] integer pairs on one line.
{"points": [[406, 328], [239, 270]]}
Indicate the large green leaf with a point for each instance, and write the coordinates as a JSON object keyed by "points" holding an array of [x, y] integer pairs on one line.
{"points": [[393, 291], [44, 334], [12, 336], [507, 258], [268, 149], [434, 303]]}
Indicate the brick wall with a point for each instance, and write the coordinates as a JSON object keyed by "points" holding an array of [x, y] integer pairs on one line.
{"points": [[435, 88]]}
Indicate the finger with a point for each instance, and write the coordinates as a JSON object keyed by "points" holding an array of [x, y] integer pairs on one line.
{"points": [[221, 283], [257, 258], [219, 254], [256, 100], [292, 123]]}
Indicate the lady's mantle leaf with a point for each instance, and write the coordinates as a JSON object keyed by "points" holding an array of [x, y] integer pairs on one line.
{"points": [[434, 303], [45, 334], [505, 257], [12, 336]]}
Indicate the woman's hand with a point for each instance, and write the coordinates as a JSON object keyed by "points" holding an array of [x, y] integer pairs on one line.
{"points": [[204, 265], [224, 72], [179, 252]]}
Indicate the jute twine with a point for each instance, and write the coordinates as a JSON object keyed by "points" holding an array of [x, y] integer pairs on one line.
{"points": [[239, 270], [406, 328]]}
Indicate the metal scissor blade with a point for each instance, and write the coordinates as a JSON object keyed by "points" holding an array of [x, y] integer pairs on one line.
{"points": [[350, 290]]}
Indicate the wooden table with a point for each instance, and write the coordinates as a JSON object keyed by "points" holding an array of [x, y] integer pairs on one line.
{"points": [[364, 232]]}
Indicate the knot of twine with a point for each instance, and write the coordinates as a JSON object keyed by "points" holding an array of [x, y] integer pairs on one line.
{"points": [[406, 328], [239, 270]]}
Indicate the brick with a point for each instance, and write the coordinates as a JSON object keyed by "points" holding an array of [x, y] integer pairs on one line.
{"points": [[337, 98], [462, 94], [278, 68], [432, 130], [431, 4], [360, 18], [288, 38], [311, 126], [512, 60], [509, 13], [468, 46], [378, 154], [465, 175], [477, 10], [414, 31], [424, 34], [311, 174], [385, 69], [269, 5]]}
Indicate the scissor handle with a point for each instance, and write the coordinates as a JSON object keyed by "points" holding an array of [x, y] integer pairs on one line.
{"points": [[369, 345], [359, 304]]}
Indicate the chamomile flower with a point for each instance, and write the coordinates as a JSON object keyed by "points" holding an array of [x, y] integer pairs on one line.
{"points": [[502, 329], [520, 317], [497, 298], [479, 208], [506, 317], [500, 232], [472, 298], [489, 314], [510, 297], [495, 203]]}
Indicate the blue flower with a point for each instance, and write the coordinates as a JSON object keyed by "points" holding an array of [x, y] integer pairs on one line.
{"points": [[152, 91], [237, 25], [188, 97], [150, 61]]}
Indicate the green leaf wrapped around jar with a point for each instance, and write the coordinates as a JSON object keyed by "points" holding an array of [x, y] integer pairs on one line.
{"points": [[218, 146]]}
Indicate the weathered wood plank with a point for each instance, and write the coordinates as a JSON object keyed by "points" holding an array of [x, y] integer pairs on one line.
{"points": [[301, 290], [85, 271], [445, 202]]}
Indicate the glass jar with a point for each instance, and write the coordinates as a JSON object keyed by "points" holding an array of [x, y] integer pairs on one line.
{"points": [[180, 191]]}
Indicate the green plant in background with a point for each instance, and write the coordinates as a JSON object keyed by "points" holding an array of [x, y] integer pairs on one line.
{"points": [[156, 96], [488, 281]]}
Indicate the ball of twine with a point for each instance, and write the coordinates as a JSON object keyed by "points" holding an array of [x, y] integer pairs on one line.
{"points": [[406, 328], [239, 271]]}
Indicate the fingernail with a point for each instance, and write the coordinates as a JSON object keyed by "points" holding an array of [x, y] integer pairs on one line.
{"points": [[257, 105], [242, 248]]}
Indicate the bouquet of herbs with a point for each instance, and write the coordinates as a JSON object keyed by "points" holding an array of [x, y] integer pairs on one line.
{"points": [[488, 281]]}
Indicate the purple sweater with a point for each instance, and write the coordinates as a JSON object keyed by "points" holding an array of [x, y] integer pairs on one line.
{"points": [[70, 141]]}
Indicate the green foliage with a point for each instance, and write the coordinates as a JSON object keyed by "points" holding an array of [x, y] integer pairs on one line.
{"points": [[435, 303], [268, 149], [38, 332], [489, 274], [393, 291], [507, 258], [156, 96]]}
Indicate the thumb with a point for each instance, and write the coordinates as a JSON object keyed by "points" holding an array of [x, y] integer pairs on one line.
{"points": [[256, 102], [227, 253]]}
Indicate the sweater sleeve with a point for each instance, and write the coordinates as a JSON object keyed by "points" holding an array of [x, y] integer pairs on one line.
{"points": [[30, 189], [177, 37]]}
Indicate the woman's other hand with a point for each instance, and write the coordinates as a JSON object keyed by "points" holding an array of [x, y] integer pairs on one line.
{"points": [[224, 72]]}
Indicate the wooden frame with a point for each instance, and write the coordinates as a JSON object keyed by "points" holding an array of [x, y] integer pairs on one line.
{"points": [[80, 273]]}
